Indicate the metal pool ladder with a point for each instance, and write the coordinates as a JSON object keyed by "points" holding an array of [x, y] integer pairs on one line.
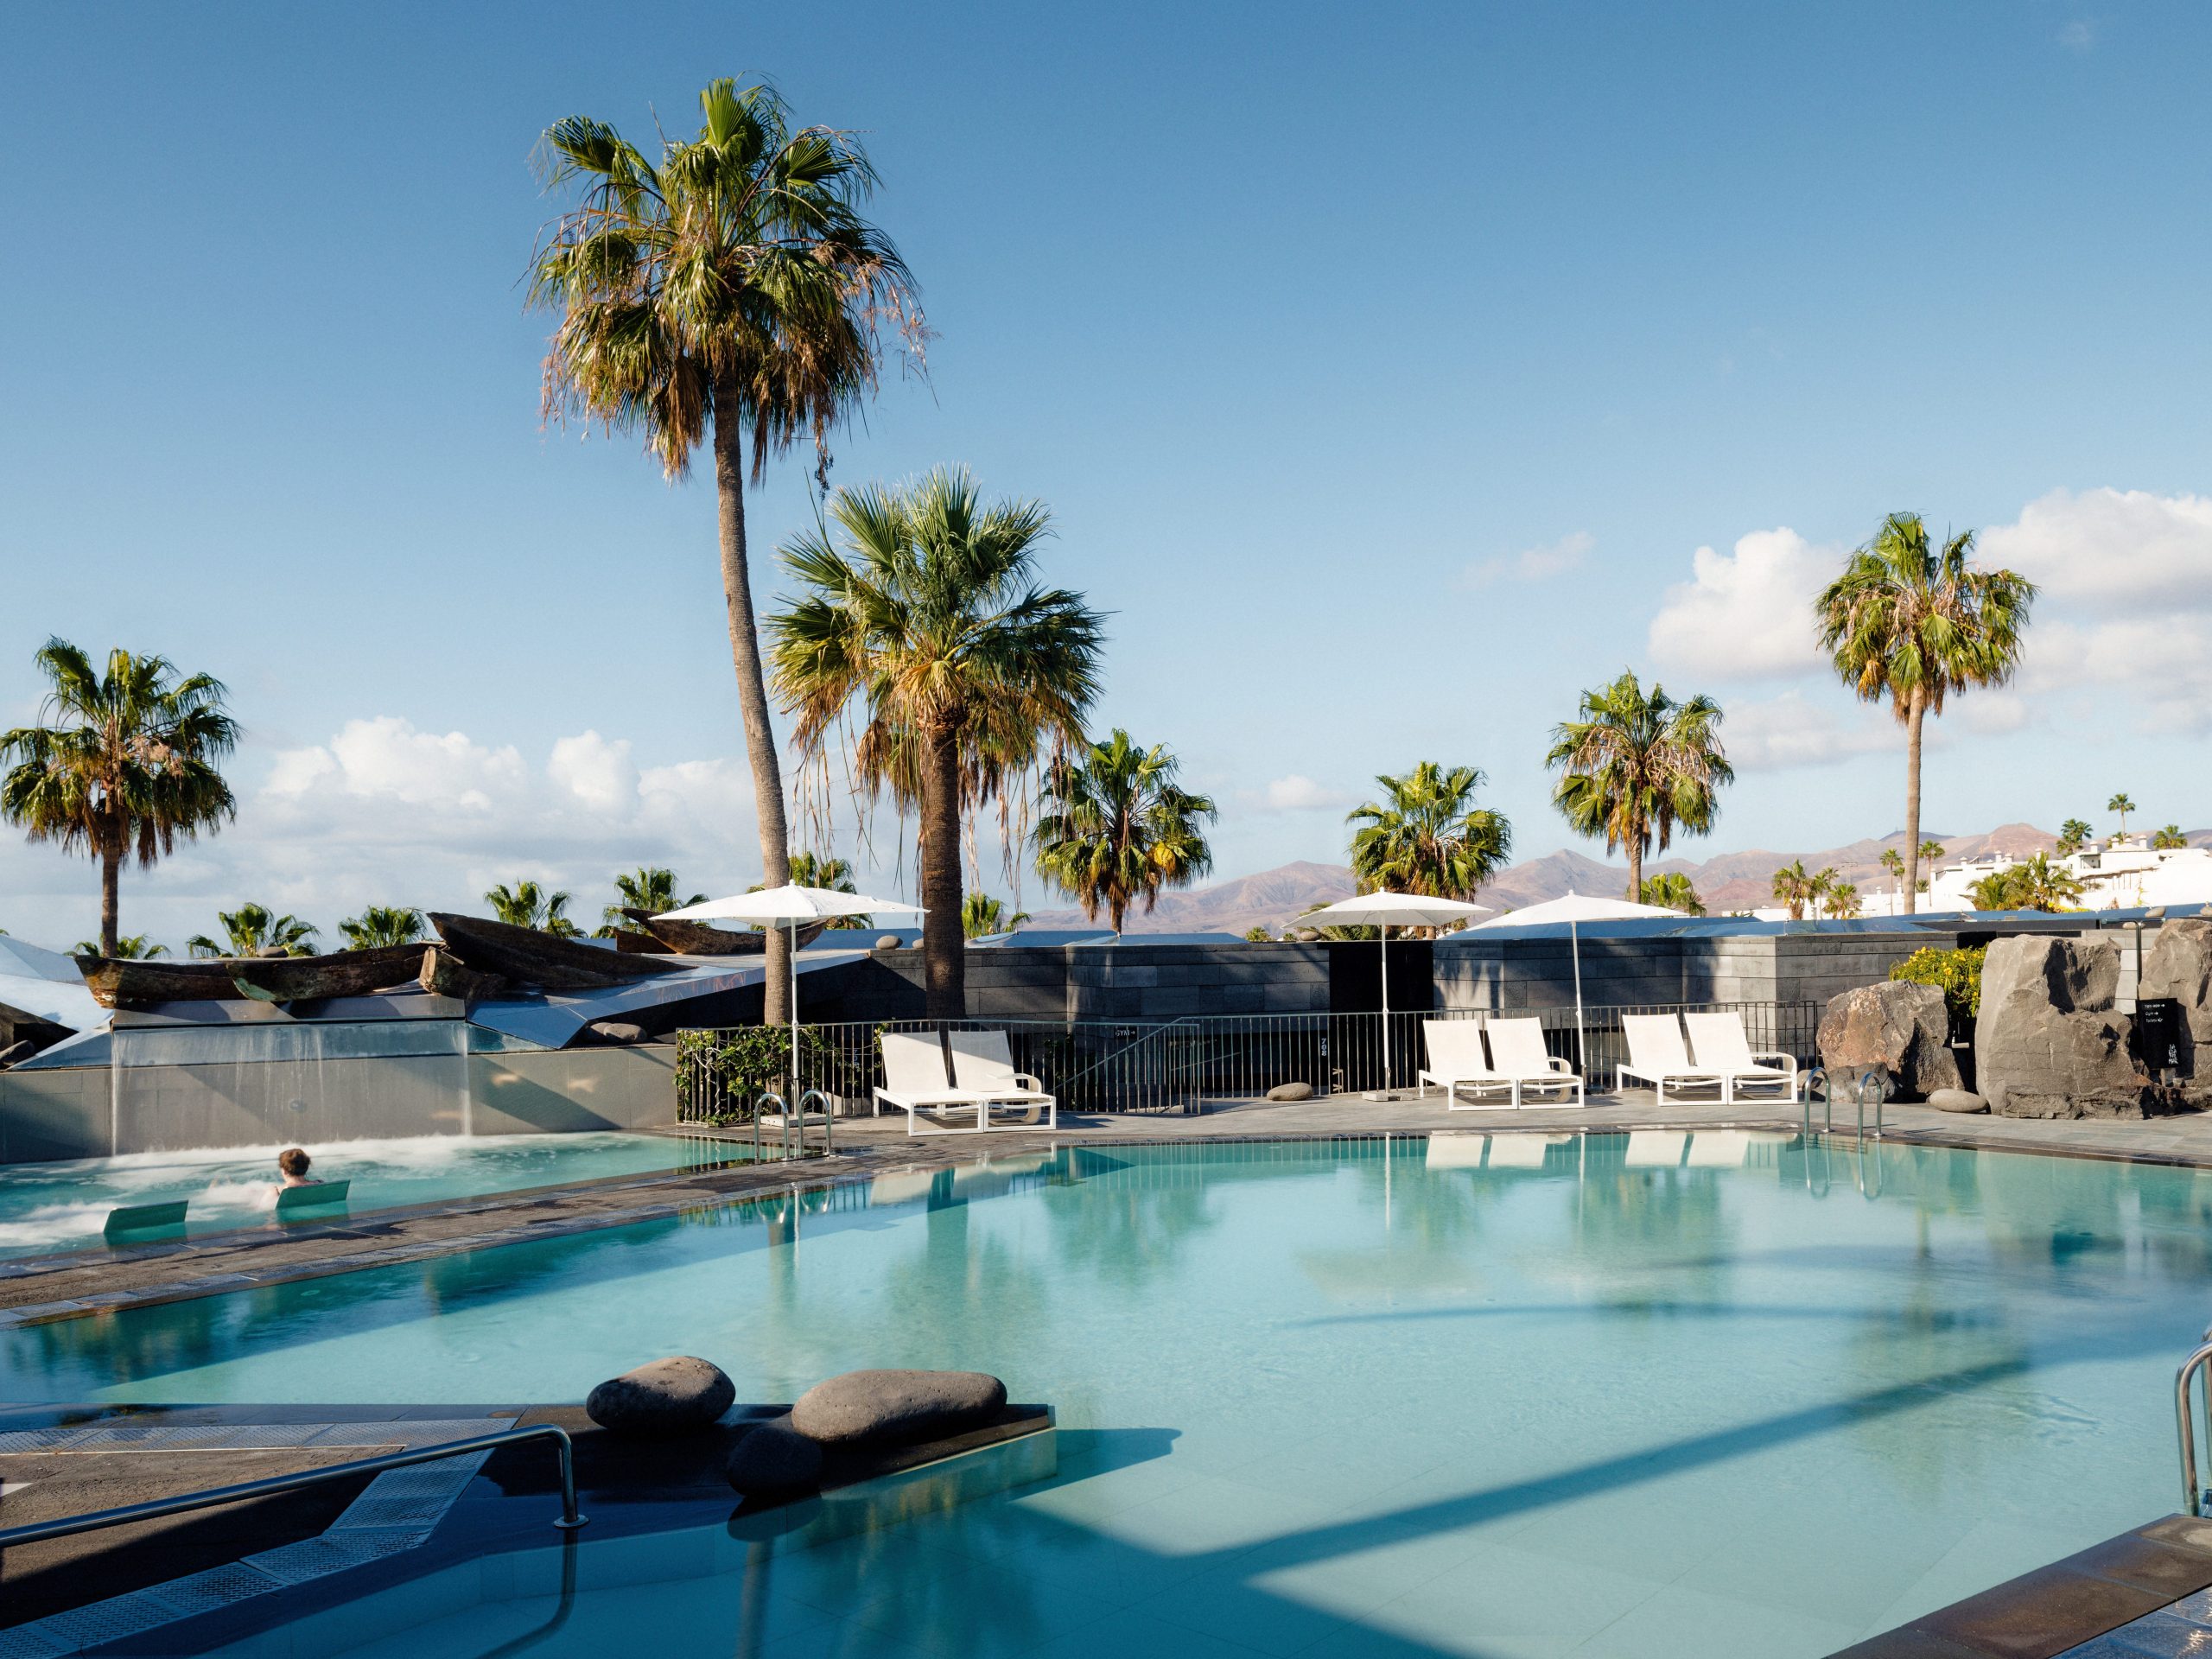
{"points": [[570, 1521], [2196, 1494], [1871, 1081]]}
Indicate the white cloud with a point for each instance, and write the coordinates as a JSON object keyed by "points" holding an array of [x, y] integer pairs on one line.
{"points": [[1297, 793], [1533, 563], [1790, 731], [2110, 550], [2080, 35], [1748, 615]]}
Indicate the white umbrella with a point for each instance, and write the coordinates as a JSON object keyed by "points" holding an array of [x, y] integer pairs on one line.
{"points": [[1384, 911], [1575, 909], [786, 906]]}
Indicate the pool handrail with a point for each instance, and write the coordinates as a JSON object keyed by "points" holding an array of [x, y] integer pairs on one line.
{"points": [[2196, 1501], [212, 1496]]}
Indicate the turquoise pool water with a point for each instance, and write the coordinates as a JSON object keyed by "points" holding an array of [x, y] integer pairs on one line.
{"points": [[63, 1206], [1714, 1395]]}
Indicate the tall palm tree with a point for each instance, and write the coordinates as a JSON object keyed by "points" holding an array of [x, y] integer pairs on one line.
{"points": [[1427, 836], [1893, 861], [1673, 890], [382, 925], [981, 916], [2073, 836], [254, 930], [733, 286], [2168, 839], [1794, 885], [132, 947], [2122, 806], [123, 763], [929, 616], [1917, 624], [527, 905], [649, 888], [1637, 767], [1116, 828]]}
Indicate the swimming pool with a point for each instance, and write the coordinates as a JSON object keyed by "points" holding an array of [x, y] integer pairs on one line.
{"points": [[1722, 1393], [63, 1206]]}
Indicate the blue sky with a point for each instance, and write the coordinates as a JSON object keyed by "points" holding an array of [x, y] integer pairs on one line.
{"points": [[1385, 374]]}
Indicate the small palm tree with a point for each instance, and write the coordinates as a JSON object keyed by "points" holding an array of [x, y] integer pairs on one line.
{"points": [[733, 288], [931, 617], [1116, 828], [124, 764], [527, 905], [1916, 625], [1673, 890], [1794, 886], [649, 888], [1428, 837], [981, 916], [1257, 935], [830, 875], [132, 947], [2033, 884], [2122, 806], [1841, 901], [2168, 839], [253, 930], [1637, 767], [1824, 882], [382, 925], [2073, 836]]}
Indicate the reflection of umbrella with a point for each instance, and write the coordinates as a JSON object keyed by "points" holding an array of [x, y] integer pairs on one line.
{"points": [[787, 907], [1382, 911], [1573, 909]]}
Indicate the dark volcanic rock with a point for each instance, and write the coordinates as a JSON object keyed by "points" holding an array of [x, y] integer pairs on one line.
{"points": [[894, 1408], [2179, 966], [773, 1459], [669, 1396], [2049, 1042], [1902, 1030]]}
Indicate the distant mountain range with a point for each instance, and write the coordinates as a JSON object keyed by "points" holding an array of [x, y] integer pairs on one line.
{"points": [[1726, 881]]}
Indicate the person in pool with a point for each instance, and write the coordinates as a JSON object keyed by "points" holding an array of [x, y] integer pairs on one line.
{"points": [[293, 1164]]}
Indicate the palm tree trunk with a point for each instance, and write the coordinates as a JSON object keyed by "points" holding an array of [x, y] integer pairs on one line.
{"points": [[1916, 712], [110, 888], [752, 689], [945, 946], [1635, 869]]}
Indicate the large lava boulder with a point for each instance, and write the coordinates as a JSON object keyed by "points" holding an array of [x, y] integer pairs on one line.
{"points": [[2049, 1042], [2179, 966], [1902, 1030], [772, 1460], [897, 1407], [669, 1397]]}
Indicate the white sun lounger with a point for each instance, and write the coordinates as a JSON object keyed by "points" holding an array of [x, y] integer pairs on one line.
{"points": [[914, 1082], [1456, 1061], [982, 1064], [1516, 1049], [1658, 1056], [1720, 1044]]}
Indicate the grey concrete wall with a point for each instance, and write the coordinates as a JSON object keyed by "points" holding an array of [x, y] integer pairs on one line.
{"points": [[53, 1115], [1506, 974], [564, 1091], [1174, 982]]}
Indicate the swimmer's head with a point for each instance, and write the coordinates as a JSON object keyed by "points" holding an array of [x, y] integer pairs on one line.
{"points": [[294, 1161]]}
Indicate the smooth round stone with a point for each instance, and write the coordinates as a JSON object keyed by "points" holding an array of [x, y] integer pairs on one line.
{"points": [[895, 1408], [680, 1396], [1956, 1100], [1291, 1091], [772, 1460]]}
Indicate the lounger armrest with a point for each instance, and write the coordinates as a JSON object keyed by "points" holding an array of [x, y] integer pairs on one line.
{"points": [[1788, 1062], [1555, 1062], [1029, 1083]]}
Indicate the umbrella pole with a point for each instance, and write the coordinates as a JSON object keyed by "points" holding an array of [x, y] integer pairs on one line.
{"points": [[792, 1105], [1581, 1047], [1382, 940]]}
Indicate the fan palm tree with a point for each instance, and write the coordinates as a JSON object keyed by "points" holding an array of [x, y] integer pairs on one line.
{"points": [[1116, 828], [1917, 624], [981, 916], [2073, 836], [1427, 836], [132, 947], [1637, 767], [1893, 861], [734, 287], [831, 874], [1824, 883], [1841, 901], [124, 764], [382, 925], [1673, 890], [2122, 806], [649, 888], [254, 930], [929, 616], [527, 905], [2168, 839], [2035, 883], [1794, 885]]}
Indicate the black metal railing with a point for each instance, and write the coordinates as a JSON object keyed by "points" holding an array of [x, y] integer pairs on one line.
{"points": [[1173, 1065]]}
